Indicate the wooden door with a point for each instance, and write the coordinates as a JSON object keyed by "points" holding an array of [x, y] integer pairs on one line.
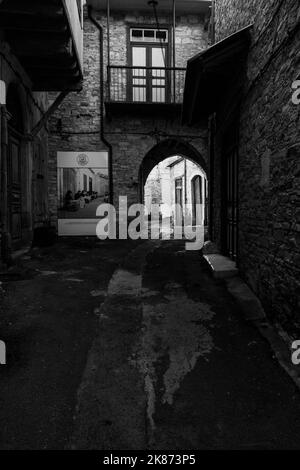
{"points": [[197, 198], [14, 189], [178, 201], [231, 203]]}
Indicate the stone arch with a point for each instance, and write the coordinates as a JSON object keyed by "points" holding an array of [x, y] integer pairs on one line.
{"points": [[165, 149]]}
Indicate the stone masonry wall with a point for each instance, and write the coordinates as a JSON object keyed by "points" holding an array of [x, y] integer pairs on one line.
{"points": [[132, 139], [75, 127], [76, 124], [269, 150]]}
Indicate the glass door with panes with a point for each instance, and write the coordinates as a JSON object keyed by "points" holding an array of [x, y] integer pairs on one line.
{"points": [[149, 59]]}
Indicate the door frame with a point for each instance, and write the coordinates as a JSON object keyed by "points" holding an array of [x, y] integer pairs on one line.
{"points": [[193, 191], [16, 138], [177, 180], [148, 45], [230, 147]]}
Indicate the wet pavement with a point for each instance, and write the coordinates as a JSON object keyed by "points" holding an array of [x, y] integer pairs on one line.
{"points": [[135, 346], [177, 367], [48, 318]]}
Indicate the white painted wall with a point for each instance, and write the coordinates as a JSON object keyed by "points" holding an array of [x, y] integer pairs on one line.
{"points": [[167, 175]]}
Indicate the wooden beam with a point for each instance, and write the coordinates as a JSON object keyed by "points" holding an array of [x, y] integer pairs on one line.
{"points": [[55, 84], [10, 22], [62, 75], [38, 37], [31, 8], [52, 67], [48, 113], [51, 48], [61, 62]]}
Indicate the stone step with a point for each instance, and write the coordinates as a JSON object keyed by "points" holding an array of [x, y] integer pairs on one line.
{"points": [[221, 266]]}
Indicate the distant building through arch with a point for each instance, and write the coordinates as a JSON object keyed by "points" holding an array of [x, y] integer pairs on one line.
{"points": [[163, 150]]}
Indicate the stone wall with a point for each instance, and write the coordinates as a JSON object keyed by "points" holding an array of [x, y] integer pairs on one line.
{"points": [[269, 150], [76, 126], [132, 139], [160, 185]]}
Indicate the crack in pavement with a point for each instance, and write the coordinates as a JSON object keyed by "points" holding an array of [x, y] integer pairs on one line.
{"points": [[173, 327]]}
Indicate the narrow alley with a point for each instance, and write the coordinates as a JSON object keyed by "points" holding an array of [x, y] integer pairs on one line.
{"points": [[176, 367], [149, 228], [145, 350]]}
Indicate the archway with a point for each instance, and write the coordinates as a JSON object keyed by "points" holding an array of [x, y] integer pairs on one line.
{"points": [[173, 175], [163, 150]]}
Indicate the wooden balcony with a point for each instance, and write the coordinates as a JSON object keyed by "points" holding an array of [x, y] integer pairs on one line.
{"points": [[47, 38], [182, 6], [146, 89]]}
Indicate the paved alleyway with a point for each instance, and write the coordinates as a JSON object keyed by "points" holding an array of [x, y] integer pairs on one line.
{"points": [[153, 351], [48, 319], [176, 367]]}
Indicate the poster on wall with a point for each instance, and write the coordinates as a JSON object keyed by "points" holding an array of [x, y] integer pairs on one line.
{"points": [[83, 184]]}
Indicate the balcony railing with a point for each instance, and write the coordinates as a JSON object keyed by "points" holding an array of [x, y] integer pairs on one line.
{"points": [[145, 84]]}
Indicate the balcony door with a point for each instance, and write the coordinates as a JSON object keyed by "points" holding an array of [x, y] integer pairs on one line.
{"points": [[149, 77]]}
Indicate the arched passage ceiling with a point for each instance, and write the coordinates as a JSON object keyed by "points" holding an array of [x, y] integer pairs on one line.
{"points": [[169, 148]]}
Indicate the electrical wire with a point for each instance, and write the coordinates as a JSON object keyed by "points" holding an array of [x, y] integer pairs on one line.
{"points": [[162, 45]]}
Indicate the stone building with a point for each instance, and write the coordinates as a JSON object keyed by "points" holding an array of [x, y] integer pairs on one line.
{"points": [[129, 111], [177, 181], [244, 84], [40, 50]]}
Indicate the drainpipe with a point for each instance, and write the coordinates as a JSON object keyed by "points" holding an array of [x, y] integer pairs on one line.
{"points": [[213, 22], [102, 133], [185, 184], [108, 45], [174, 50]]}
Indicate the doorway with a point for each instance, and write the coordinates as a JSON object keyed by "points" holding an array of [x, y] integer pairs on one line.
{"points": [[197, 196], [178, 199], [230, 195], [14, 187], [149, 59], [177, 184], [16, 169]]}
